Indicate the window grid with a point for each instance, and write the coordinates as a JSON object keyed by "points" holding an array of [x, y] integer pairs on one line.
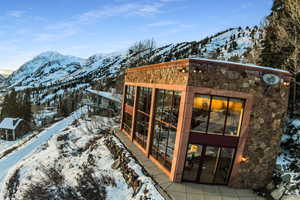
{"points": [[208, 120]]}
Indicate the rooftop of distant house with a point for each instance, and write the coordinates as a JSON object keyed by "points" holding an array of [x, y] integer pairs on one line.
{"points": [[10, 123]]}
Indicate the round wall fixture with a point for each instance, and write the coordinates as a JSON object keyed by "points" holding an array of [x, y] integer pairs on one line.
{"points": [[271, 79]]}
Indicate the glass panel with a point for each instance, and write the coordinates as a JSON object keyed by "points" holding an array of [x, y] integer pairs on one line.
{"points": [[200, 113], [224, 165], [129, 98], [175, 108], [127, 122], [141, 133], [217, 115], [144, 102], [192, 162], [160, 104], [234, 116], [209, 164]]}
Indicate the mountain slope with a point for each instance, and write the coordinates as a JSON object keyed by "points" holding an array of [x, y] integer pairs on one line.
{"points": [[53, 74], [45, 69]]}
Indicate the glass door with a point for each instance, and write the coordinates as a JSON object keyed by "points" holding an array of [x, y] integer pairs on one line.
{"points": [[208, 164]]}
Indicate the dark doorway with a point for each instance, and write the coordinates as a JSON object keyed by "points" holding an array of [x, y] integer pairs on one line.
{"points": [[208, 164]]}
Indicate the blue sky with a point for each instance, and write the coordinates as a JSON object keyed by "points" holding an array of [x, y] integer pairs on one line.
{"points": [[85, 27]]}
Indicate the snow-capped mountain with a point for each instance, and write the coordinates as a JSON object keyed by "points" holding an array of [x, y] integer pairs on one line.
{"points": [[60, 72], [45, 69]]}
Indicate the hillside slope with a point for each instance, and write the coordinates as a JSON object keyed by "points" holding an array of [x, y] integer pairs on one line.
{"points": [[53, 74]]}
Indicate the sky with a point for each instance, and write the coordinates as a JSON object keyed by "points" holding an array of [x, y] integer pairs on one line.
{"points": [[86, 27]]}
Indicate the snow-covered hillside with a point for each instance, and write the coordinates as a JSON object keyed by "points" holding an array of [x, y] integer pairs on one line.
{"points": [[52, 74], [45, 69]]}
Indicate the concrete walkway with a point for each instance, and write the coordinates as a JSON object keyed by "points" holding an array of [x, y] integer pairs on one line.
{"points": [[184, 191]]}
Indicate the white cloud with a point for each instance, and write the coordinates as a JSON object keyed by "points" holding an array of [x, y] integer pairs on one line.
{"points": [[162, 24], [15, 13]]}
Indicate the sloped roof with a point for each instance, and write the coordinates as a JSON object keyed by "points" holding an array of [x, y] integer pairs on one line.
{"points": [[10, 123], [108, 95]]}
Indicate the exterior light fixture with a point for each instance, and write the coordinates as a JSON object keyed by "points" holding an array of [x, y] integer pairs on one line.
{"points": [[244, 159], [197, 70], [286, 83], [183, 70]]}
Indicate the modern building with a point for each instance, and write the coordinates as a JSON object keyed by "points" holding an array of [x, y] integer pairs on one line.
{"points": [[12, 128], [207, 121]]}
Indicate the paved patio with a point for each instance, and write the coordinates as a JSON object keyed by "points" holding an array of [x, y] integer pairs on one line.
{"points": [[184, 191]]}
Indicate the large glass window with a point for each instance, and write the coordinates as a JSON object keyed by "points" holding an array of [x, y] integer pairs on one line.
{"points": [[208, 164], [127, 121], [128, 108], [165, 126], [217, 115], [129, 95], [143, 115]]}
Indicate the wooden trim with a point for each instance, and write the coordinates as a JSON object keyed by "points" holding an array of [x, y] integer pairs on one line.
{"points": [[181, 139], [134, 113], [181, 143], [151, 122], [129, 109], [158, 86], [160, 166], [244, 134], [163, 65], [214, 140], [140, 147], [122, 106], [125, 132]]}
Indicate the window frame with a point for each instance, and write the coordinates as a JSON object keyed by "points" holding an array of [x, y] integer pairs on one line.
{"points": [[211, 96]]}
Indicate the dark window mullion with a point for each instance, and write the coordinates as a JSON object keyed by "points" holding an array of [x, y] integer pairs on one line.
{"points": [[209, 111], [227, 108]]}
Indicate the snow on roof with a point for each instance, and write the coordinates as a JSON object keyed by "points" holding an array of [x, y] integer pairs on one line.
{"points": [[10, 123], [108, 95], [241, 64]]}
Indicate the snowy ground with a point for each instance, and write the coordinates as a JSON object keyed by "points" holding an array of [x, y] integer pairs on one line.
{"points": [[29, 148], [287, 173], [69, 165], [5, 144]]}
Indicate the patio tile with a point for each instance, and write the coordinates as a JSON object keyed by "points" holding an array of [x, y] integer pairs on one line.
{"points": [[194, 188], [195, 196], [230, 198], [178, 195], [212, 197], [245, 193], [176, 187]]}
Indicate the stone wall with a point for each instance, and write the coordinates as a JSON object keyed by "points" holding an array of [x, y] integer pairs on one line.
{"points": [[267, 115], [266, 121], [159, 74]]}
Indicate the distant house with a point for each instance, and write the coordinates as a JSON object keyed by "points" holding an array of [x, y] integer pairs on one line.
{"points": [[104, 103], [12, 128]]}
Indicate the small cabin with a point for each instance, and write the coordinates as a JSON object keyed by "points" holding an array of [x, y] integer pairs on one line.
{"points": [[207, 121], [13, 128], [104, 103]]}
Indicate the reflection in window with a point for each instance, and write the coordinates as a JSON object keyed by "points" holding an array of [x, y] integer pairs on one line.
{"points": [[234, 116], [141, 131], [144, 102], [200, 113], [165, 126], [217, 115], [224, 165], [192, 162], [163, 143], [129, 95], [127, 120], [143, 113]]}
